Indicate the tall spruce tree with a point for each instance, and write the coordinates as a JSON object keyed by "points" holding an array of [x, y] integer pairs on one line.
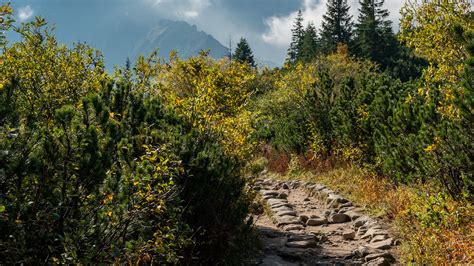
{"points": [[296, 39], [374, 37], [337, 25], [243, 53], [309, 44]]}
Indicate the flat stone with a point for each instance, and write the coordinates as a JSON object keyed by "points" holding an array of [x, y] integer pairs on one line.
{"points": [[281, 205], [385, 244], [378, 238], [269, 193], [337, 218], [281, 209], [372, 232], [347, 204], [293, 227], [353, 214], [286, 213], [358, 222], [293, 238], [380, 261], [337, 198], [286, 220], [385, 255], [295, 184], [276, 201], [302, 244], [363, 251], [282, 195], [316, 221], [348, 234]]}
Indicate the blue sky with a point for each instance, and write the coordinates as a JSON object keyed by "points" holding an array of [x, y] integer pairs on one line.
{"points": [[111, 25]]}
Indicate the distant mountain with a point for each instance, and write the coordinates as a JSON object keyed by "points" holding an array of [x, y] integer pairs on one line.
{"points": [[179, 36]]}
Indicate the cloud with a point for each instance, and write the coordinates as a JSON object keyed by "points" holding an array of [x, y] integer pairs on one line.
{"points": [[279, 27], [178, 9], [25, 13]]}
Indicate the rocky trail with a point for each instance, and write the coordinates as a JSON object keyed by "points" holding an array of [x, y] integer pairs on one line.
{"points": [[310, 224]]}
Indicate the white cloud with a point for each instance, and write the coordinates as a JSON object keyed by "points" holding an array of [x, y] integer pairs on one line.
{"points": [[279, 27], [25, 13], [189, 9]]}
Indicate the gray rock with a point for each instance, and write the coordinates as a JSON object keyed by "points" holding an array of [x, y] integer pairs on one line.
{"points": [[304, 218], [337, 198], [286, 220], [337, 218], [293, 238], [385, 244], [295, 184], [316, 221], [306, 199], [281, 209], [285, 186], [374, 231], [269, 193], [276, 201], [353, 214], [347, 204], [348, 234], [378, 238], [302, 244], [363, 251], [282, 195], [380, 261], [385, 255], [286, 213], [281, 205], [358, 222], [293, 227]]}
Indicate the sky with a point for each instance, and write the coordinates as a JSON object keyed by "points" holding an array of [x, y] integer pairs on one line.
{"points": [[266, 24]]}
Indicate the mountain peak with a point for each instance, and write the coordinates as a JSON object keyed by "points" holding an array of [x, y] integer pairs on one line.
{"points": [[180, 36]]}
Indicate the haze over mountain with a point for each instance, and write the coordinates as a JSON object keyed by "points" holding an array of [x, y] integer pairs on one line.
{"points": [[180, 36]]}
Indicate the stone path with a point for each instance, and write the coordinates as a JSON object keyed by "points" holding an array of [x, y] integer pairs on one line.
{"points": [[309, 224]]}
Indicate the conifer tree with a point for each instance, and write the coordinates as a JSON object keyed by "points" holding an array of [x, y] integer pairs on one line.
{"points": [[309, 44], [296, 39], [374, 37], [337, 25], [243, 53]]}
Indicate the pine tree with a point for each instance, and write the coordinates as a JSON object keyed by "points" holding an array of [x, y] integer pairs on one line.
{"points": [[309, 44], [374, 37], [337, 25], [296, 39], [243, 53]]}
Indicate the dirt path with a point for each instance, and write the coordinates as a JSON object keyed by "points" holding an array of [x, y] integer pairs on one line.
{"points": [[309, 224]]}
